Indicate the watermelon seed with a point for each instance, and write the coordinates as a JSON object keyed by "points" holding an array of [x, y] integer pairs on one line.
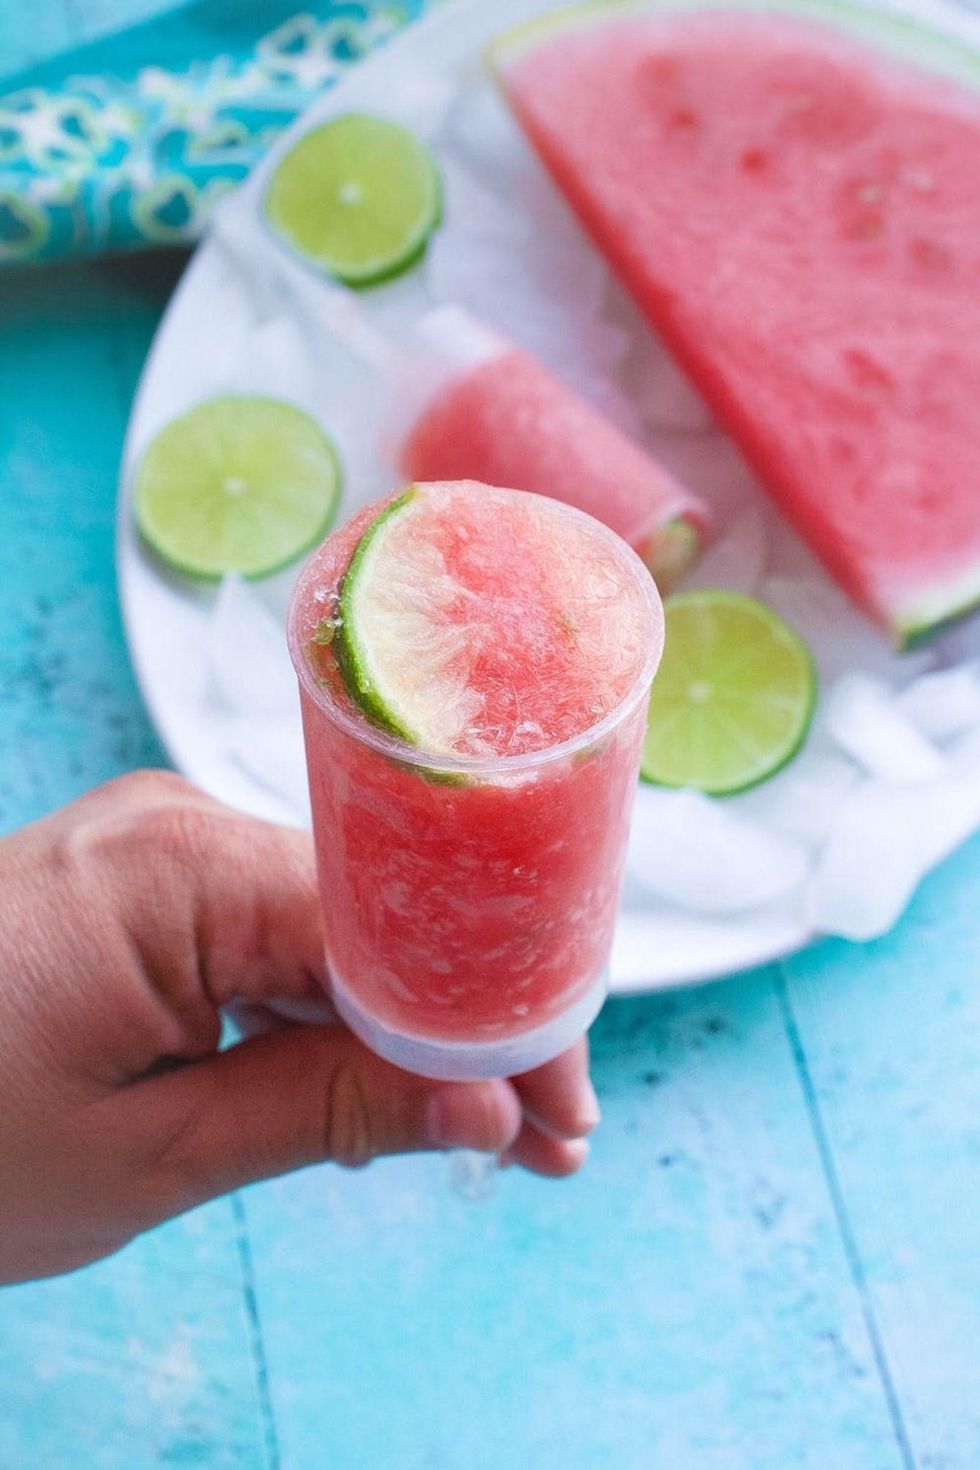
{"points": [[868, 373], [930, 254], [868, 227], [683, 120], [755, 161], [663, 69]]}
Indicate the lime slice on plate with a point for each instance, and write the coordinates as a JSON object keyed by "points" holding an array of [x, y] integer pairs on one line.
{"points": [[358, 198], [733, 698], [237, 485]]}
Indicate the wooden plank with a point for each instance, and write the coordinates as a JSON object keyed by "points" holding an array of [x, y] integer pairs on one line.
{"points": [[70, 717], [685, 1302], [142, 1361], [99, 17], [53, 26], [56, 26], [890, 1033], [152, 1358]]}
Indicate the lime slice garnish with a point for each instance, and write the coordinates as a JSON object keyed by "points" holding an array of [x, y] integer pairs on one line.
{"points": [[734, 696], [237, 485], [398, 654], [373, 663], [358, 198], [475, 621]]}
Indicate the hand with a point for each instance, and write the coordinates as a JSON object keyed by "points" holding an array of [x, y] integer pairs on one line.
{"points": [[128, 921]]}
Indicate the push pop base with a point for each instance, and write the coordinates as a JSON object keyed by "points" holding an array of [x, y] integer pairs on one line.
{"points": [[468, 1061]]}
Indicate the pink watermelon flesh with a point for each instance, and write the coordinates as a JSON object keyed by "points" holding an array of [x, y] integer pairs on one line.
{"points": [[798, 215], [508, 421]]}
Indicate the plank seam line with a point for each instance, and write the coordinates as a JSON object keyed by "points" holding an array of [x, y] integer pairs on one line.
{"points": [[255, 1334], [74, 15], [846, 1230]]}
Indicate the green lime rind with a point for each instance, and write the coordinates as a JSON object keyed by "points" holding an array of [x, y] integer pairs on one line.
{"points": [[237, 484], [352, 656], [358, 198], [733, 699], [672, 551]]}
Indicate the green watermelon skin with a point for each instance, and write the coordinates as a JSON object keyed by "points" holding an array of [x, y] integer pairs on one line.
{"points": [[794, 203]]}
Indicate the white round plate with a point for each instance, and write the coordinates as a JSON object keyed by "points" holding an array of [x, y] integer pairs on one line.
{"points": [[246, 319]]}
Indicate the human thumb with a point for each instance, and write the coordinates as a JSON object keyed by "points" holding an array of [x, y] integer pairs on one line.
{"points": [[297, 1096]]}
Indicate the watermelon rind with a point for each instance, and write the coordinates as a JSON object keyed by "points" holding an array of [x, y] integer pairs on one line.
{"points": [[936, 609], [911, 39]]}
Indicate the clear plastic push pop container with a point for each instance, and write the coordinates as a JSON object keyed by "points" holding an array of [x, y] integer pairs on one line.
{"points": [[482, 408], [474, 669]]}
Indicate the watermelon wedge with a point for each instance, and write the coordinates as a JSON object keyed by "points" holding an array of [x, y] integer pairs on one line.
{"points": [[791, 192]]}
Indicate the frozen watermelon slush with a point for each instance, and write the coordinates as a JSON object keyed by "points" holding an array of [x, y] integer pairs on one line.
{"points": [[494, 413], [791, 192], [471, 801]]}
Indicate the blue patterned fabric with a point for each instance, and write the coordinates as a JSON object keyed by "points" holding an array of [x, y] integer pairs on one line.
{"points": [[129, 141]]}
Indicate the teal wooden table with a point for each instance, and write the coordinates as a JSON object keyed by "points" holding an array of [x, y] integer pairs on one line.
{"points": [[771, 1261]]}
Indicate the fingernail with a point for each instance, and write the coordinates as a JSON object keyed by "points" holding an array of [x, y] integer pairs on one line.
{"points": [[485, 1116], [578, 1151]]}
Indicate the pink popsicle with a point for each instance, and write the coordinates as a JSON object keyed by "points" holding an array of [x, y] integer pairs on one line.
{"points": [[502, 417]]}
